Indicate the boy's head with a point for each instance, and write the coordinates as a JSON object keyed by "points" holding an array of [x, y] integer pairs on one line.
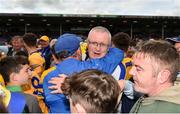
{"points": [[121, 40], [92, 91], [15, 70], [30, 40]]}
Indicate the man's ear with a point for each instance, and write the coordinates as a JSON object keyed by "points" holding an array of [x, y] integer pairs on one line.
{"points": [[12, 77], [80, 108], [78, 54], [164, 76]]}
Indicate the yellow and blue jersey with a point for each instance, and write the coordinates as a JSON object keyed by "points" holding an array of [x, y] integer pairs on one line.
{"points": [[127, 62], [121, 72]]}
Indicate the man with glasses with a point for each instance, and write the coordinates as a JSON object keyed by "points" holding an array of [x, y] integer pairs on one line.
{"points": [[99, 41]]}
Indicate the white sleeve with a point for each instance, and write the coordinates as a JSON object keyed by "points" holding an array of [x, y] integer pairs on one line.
{"points": [[129, 89]]}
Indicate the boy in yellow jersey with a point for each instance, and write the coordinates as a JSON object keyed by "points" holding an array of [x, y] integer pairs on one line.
{"points": [[37, 62], [35, 58], [121, 40]]}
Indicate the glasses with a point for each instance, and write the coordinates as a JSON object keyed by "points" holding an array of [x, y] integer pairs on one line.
{"points": [[98, 44]]}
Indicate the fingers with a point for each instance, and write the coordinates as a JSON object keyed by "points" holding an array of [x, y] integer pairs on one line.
{"points": [[62, 75], [57, 82], [53, 87], [55, 92], [54, 81]]}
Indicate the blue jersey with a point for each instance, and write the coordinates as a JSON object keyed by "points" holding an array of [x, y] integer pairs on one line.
{"points": [[58, 103]]}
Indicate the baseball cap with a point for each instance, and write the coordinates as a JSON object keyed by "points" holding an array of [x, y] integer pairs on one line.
{"points": [[44, 38], [67, 42], [174, 40]]}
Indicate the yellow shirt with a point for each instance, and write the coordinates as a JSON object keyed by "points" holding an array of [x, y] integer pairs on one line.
{"points": [[83, 47], [127, 62], [2, 81]]}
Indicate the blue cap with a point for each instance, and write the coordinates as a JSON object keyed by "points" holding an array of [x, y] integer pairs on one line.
{"points": [[174, 40], [67, 42]]}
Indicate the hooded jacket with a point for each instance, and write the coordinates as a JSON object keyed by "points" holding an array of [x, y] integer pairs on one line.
{"points": [[168, 101]]}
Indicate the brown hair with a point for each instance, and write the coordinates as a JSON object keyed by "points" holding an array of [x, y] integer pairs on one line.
{"points": [[121, 40], [96, 91], [30, 39], [16, 38], [11, 64]]}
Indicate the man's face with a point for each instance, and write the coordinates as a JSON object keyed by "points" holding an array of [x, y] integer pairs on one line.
{"points": [[177, 46], [24, 74], [43, 43], [143, 73], [98, 44], [17, 44]]}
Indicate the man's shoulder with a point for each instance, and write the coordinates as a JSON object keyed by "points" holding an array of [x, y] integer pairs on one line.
{"points": [[53, 73], [32, 103], [30, 97], [68, 66], [157, 106]]}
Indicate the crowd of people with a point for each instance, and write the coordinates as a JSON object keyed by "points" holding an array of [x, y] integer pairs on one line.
{"points": [[99, 74]]}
